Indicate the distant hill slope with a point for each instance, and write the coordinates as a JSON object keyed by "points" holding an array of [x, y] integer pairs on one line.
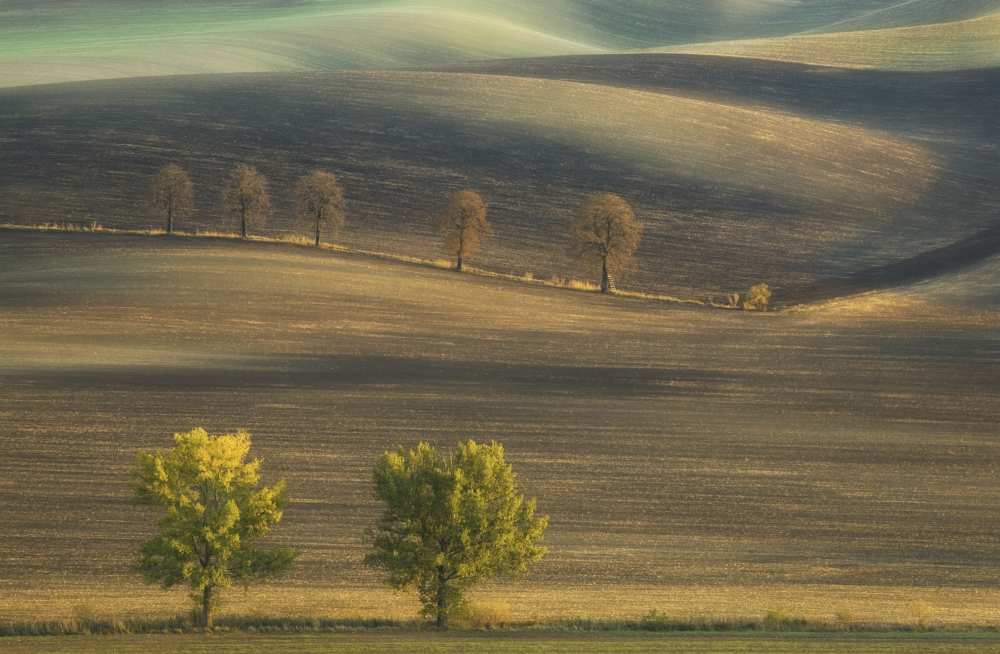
{"points": [[735, 189], [944, 46], [913, 12], [43, 41], [952, 112], [214, 39]]}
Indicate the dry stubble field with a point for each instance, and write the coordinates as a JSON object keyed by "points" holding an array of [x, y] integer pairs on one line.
{"points": [[693, 461]]}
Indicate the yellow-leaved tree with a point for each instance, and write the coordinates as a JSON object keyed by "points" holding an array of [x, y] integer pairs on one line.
{"points": [[214, 511]]}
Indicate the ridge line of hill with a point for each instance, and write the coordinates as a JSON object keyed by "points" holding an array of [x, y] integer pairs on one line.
{"points": [[965, 44], [927, 265], [558, 282]]}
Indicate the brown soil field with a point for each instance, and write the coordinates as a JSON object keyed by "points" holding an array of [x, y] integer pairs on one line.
{"points": [[693, 461], [744, 171]]}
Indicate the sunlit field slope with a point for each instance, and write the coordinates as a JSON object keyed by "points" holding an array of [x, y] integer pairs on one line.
{"points": [[912, 12], [789, 185], [967, 296], [973, 43], [693, 461], [178, 39], [60, 40]]}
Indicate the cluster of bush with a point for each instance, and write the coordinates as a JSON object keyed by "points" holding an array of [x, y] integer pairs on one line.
{"points": [[449, 519], [606, 232]]}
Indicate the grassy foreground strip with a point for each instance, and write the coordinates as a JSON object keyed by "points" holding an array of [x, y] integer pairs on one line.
{"points": [[502, 642]]}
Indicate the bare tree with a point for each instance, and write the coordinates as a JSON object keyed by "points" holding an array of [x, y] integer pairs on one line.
{"points": [[172, 194], [320, 201], [463, 225], [606, 231], [246, 197]]}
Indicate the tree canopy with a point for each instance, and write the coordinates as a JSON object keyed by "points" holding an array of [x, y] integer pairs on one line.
{"points": [[320, 200], [172, 194], [247, 198], [450, 520], [606, 232], [214, 511], [463, 225]]}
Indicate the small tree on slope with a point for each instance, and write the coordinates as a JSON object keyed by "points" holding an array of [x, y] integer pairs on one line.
{"points": [[320, 200], [172, 194], [450, 521], [214, 512], [463, 226], [606, 232], [246, 197]]}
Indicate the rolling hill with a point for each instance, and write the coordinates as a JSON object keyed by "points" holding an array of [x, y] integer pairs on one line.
{"points": [[745, 171], [840, 457], [913, 12], [58, 40], [943, 46], [694, 461]]}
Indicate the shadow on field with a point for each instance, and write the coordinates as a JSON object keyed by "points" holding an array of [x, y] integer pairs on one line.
{"points": [[940, 261], [317, 372]]}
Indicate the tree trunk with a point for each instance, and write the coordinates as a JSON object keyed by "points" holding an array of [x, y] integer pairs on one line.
{"points": [[243, 224], [317, 231], [206, 607], [170, 220], [605, 283], [458, 264], [442, 601]]}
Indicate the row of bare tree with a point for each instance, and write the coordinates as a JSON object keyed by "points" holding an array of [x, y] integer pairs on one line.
{"points": [[319, 198], [605, 231]]}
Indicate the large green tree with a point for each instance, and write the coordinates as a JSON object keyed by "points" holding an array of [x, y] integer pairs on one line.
{"points": [[215, 510], [450, 520]]}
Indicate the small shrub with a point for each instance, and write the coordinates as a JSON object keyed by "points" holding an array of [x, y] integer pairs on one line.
{"points": [[484, 615], [528, 276], [759, 298]]}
